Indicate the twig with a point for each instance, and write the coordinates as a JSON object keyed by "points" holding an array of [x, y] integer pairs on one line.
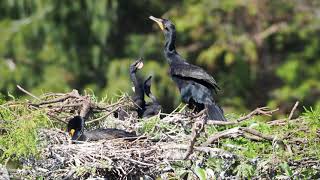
{"points": [[280, 122], [257, 133], [293, 109], [226, 133], [196, 130], [196, 148], [198, 127], [139, 162], [240, 131], [259, 111], [267, 32], [30, 94], [102, 117], [214, 122], [120, 101], [49, 114], [74, 93], [70, 173]]}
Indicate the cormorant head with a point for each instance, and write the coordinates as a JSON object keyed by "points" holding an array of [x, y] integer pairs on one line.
{"points": [[147, 86], [138, 64], [165, 25], [75, 127]]}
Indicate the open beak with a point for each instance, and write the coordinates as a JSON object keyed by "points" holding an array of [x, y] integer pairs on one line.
{"points": [[158, 21], [139, 63], [71, 132]]}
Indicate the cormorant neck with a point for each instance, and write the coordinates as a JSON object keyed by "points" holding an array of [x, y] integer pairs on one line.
{"points": [[170, 41], [170, 37], [79, 128], [138, 90]]}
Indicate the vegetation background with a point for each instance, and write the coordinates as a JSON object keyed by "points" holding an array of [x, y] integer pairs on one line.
{"points": [[261, 52]]}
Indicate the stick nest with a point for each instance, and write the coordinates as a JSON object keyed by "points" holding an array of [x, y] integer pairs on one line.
{"points": [[178, 139]]}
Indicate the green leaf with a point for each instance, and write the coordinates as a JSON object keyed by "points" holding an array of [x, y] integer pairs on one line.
{"points": [[201, 173]]}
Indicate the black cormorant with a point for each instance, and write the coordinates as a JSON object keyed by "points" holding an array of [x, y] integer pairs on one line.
{"points": [[76, 130], [196, 85], [154, 107], [138, 96]]}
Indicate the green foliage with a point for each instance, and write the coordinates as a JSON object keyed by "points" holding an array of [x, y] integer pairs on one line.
{"points": [[19, 138], [201, 173], [260, 53], [244, 170], [285, 167], [149, 125]]}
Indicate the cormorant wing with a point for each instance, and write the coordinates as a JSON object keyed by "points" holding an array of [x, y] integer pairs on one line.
{"points": [[187, 70]]}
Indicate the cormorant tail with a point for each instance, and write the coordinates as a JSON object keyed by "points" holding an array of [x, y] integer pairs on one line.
{"points": [[215, 112]]}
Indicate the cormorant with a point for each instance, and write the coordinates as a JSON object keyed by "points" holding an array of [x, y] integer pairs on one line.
{"points": [[76, 126], [154, 107], [138, 96], [195, 84]]}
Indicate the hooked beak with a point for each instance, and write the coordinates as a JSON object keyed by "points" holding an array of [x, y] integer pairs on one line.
{"points": [[71, 132], [158, 21]]}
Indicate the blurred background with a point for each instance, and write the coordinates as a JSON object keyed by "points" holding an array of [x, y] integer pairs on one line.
{"points": [[261, 52]]}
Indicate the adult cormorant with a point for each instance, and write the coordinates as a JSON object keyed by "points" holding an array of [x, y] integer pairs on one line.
{"points": [[76, 130], [196, 85], [153, 107]]}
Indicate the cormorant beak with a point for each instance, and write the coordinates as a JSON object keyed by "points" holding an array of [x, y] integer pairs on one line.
{"points": [[158, 21], [139, 65], [71, 132]]}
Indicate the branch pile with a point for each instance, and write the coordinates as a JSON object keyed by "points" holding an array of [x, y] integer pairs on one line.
{"points": [[177, 138]]}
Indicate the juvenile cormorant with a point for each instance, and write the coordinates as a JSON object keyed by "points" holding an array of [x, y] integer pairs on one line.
{"points": [[76, 126], [195, 84], [154, 107], [138, 96]]}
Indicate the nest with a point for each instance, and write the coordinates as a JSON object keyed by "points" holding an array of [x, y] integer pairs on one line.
{"points": [[148, 156], [118, 158]]}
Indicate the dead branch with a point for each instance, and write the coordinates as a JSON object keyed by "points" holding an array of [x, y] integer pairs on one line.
{"points": [[234, 132], [197, 128], [259, 111], [74, 93], [103, 117], [27, 92], [281, 122], [86, 107], [241, 131], [293, 109], [257, 133], [269, 31]]}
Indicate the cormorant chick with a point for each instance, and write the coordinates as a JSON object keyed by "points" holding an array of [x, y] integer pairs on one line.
{"points": [[76, 126], [195, 84], [154, 107], [138, 96]]}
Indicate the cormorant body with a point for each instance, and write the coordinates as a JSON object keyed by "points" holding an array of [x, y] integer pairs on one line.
{"points": [[138, 96], [76, 128], [195, 84], [152, 108]]}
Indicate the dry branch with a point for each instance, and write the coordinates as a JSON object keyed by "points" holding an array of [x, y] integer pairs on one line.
{"points": [[259, 111], [241, 131], [197, 128], [293, 109], [234, 132], [27, 92]]}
